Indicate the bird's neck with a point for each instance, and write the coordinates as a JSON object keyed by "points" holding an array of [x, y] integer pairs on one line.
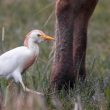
{"points": [[34, 48], [31, 45]]}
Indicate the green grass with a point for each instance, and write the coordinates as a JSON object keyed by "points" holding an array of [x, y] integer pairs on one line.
{"points": [[20, 17]]}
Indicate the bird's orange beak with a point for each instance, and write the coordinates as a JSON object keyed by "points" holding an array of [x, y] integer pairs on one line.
{"points": [[48, 38]]}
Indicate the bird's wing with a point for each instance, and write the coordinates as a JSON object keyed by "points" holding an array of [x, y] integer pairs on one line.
{"points": [[13, 59]]}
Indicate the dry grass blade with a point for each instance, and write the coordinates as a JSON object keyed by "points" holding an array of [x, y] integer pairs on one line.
{"points": [[49, 18], [3, 34], [3, 38], [78, 105], [1, 100]]}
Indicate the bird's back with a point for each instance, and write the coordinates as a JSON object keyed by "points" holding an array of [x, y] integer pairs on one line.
{"points": [[17, 59]]}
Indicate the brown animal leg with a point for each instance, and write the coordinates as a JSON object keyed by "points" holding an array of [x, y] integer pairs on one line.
{"points": [[71, 38]]}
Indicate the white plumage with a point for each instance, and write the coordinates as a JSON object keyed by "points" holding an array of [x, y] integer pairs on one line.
{"points": [[14, 62]]}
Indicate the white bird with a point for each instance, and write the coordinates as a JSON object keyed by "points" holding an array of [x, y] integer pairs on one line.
{"points": [[14, 62]]}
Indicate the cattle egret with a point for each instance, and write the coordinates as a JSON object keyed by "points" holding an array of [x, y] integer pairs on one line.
{"points": [[14, 62]]}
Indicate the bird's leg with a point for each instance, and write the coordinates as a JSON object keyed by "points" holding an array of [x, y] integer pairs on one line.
{"points": [[29, 90], [25, 88]]}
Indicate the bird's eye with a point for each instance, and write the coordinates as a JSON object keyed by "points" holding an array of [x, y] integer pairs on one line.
{"points": [[38, 35]]}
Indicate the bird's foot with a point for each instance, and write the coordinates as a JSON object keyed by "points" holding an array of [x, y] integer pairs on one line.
{"points": [[33, 92]]}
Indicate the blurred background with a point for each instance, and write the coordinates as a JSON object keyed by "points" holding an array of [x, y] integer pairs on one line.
{"points": [[18, 17]]}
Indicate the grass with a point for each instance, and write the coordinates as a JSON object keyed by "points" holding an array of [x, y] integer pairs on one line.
{"points": [[18, 18]]}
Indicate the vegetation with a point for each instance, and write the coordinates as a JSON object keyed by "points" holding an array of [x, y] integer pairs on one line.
{"points": [[18, 17]]}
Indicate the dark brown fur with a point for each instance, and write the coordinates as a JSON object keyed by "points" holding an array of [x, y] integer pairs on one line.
{"points": [[71, 40]]}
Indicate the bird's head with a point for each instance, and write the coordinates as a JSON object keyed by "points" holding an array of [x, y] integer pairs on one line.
{"points": [[36, 36]]}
